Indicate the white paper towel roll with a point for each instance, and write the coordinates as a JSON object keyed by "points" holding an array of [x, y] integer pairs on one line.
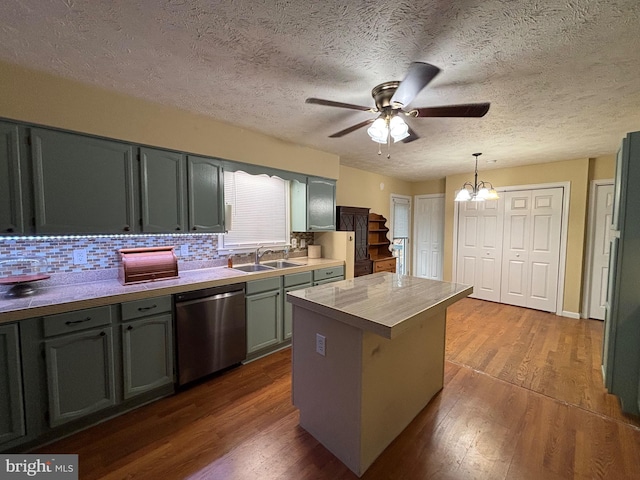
{"points": [[314, 251]]}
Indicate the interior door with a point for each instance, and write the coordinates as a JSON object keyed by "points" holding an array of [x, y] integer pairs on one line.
{"points": [[429, 234], [515, 260], [480, 247], [600, 251]]}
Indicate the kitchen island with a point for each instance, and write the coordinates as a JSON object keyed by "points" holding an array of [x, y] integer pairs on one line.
{"points": [[368, 355]]}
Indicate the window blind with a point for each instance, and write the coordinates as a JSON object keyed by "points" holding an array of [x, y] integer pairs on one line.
{"points": [[260, 214], [401, 216]]}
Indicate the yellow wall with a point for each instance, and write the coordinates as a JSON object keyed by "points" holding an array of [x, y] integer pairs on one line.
{"points": [[574, 171], [358, 188], [35, 97], [602, 168], [429, 187]]}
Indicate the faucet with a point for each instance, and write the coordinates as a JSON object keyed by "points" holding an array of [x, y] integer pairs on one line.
{"points": [[259, 255]]}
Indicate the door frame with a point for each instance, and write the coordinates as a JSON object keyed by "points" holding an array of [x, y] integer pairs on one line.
{"points": [[591, 232], [564, 235], [414, 250], [409, 251]]}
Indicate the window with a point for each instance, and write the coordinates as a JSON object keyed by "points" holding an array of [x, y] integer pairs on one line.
{"points": [[260, 211], [400, 220]]}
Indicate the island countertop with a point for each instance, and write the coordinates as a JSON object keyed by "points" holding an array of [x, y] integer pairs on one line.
{"points": [[383, 303]]}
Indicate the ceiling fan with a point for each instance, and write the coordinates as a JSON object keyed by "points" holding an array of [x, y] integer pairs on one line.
{"points": [[392, 99]]}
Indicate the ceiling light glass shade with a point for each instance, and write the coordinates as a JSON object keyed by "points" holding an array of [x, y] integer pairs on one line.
{"points": [[378, 131], [398, 128], [477, 198], [493, 195], [483, 193], [463, 195]]}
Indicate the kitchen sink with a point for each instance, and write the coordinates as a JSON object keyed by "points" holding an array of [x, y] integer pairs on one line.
{"points": [[253, 268], [282, 264]]}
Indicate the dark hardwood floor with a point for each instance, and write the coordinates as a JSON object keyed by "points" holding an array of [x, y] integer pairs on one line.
{"points": [[523, 399]]}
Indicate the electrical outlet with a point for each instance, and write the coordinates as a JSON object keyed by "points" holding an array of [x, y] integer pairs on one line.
{"points": [[303, 243], [184, 250], [294, 243], [80, 256], [321, 344]]}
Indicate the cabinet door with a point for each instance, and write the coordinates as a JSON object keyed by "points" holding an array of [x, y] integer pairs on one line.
{"points": [[11, 218], [321, 214], [264, 320], [147, 354], [82, 184], [206, 195], [163, 191], [287, 310], [11, 400], [80, 374]]}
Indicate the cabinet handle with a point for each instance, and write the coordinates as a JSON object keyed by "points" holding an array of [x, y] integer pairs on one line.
{"points": [[126, 228], [178, 228], [194, 228], [102, 334], [73, 322], [129, 327], [10, 230], [144, 309], [329, 273]]}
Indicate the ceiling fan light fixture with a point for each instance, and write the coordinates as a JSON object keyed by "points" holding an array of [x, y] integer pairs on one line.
{"points": [[379, 131], [398, 129]]}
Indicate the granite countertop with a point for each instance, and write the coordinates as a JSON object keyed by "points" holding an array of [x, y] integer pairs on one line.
{"points": [[66, 298], [384, 303]]}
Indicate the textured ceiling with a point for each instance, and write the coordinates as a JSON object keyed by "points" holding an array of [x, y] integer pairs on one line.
{"points": [[563, 77]]}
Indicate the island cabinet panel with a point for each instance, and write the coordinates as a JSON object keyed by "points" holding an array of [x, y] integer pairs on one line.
{"points": [[11, 212], [206, 195], [147, 354], [163, 191], [12, 424], [264, 315], [82, 184], [80, 374]]}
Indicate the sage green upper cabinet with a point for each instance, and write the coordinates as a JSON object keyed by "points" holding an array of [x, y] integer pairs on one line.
{"points": [[11, 218], [313, 206], [163, 191], [11, 399], [206, 195], [82, 184]]}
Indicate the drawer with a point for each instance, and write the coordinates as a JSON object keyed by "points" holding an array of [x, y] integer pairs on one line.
{"points": [[331, 272], [297, 279], [143, 308], [362, 268], [388, 265], [258, 286], [75, 321]]}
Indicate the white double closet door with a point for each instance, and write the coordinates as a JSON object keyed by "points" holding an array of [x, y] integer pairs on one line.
{"points": [[509, 249]]}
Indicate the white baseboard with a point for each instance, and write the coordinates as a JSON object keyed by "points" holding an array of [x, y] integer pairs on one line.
{"points": [[570, 314]]}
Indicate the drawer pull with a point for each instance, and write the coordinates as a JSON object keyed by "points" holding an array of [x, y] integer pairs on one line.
{"points": [[329, 273], [102, 334], [129, 327], [144, 309], [74, 322]]}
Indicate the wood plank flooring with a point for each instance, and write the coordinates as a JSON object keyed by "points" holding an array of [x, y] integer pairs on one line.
{"points": [[523, 399]]}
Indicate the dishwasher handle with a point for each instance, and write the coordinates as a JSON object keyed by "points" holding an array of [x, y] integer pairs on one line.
{"points": [[219, 296]]}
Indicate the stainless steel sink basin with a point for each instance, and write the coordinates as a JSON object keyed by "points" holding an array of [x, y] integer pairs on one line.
{"points": [[282, 264], [252, 268]]}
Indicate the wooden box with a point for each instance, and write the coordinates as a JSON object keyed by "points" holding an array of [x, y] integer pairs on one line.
{"points": [[147, 264]]}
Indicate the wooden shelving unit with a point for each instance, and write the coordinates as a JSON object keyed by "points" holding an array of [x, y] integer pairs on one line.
{"points": [[379, 245]]}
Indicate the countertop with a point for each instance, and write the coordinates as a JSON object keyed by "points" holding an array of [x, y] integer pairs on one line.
{"points": [[66, 298], [384, 303]]}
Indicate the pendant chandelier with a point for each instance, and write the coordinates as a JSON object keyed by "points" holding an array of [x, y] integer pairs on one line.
{"points": [[477, 191]]}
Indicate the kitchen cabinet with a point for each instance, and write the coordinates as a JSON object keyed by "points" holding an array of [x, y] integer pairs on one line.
{"points": [[328, 275], [163, 191], [264, 314], [205, 195], [82, 184], [80, 365], [147, 345], [12, 424], [295, 281], [11, 213], [356, 219], [313, 205]]}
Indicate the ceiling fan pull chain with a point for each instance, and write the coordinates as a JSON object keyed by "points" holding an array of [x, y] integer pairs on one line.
{"points": [[379, 149]]}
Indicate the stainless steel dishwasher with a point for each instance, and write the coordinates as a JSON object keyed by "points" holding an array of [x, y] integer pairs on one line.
{"points": [[211, 331]]}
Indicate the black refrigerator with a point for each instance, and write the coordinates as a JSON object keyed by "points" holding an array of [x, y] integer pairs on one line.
{"points": [[621, 348]]}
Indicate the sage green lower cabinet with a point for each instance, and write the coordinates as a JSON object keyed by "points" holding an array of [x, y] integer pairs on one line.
{"points": [[295, 281], [264, 314], [80, 374], [12, 424], [147, 345]]}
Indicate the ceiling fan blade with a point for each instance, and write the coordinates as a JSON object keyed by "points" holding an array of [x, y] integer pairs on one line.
{"points": [[418, 76], [463, 110], [352, 128], [412, 136], [330, 103]]}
